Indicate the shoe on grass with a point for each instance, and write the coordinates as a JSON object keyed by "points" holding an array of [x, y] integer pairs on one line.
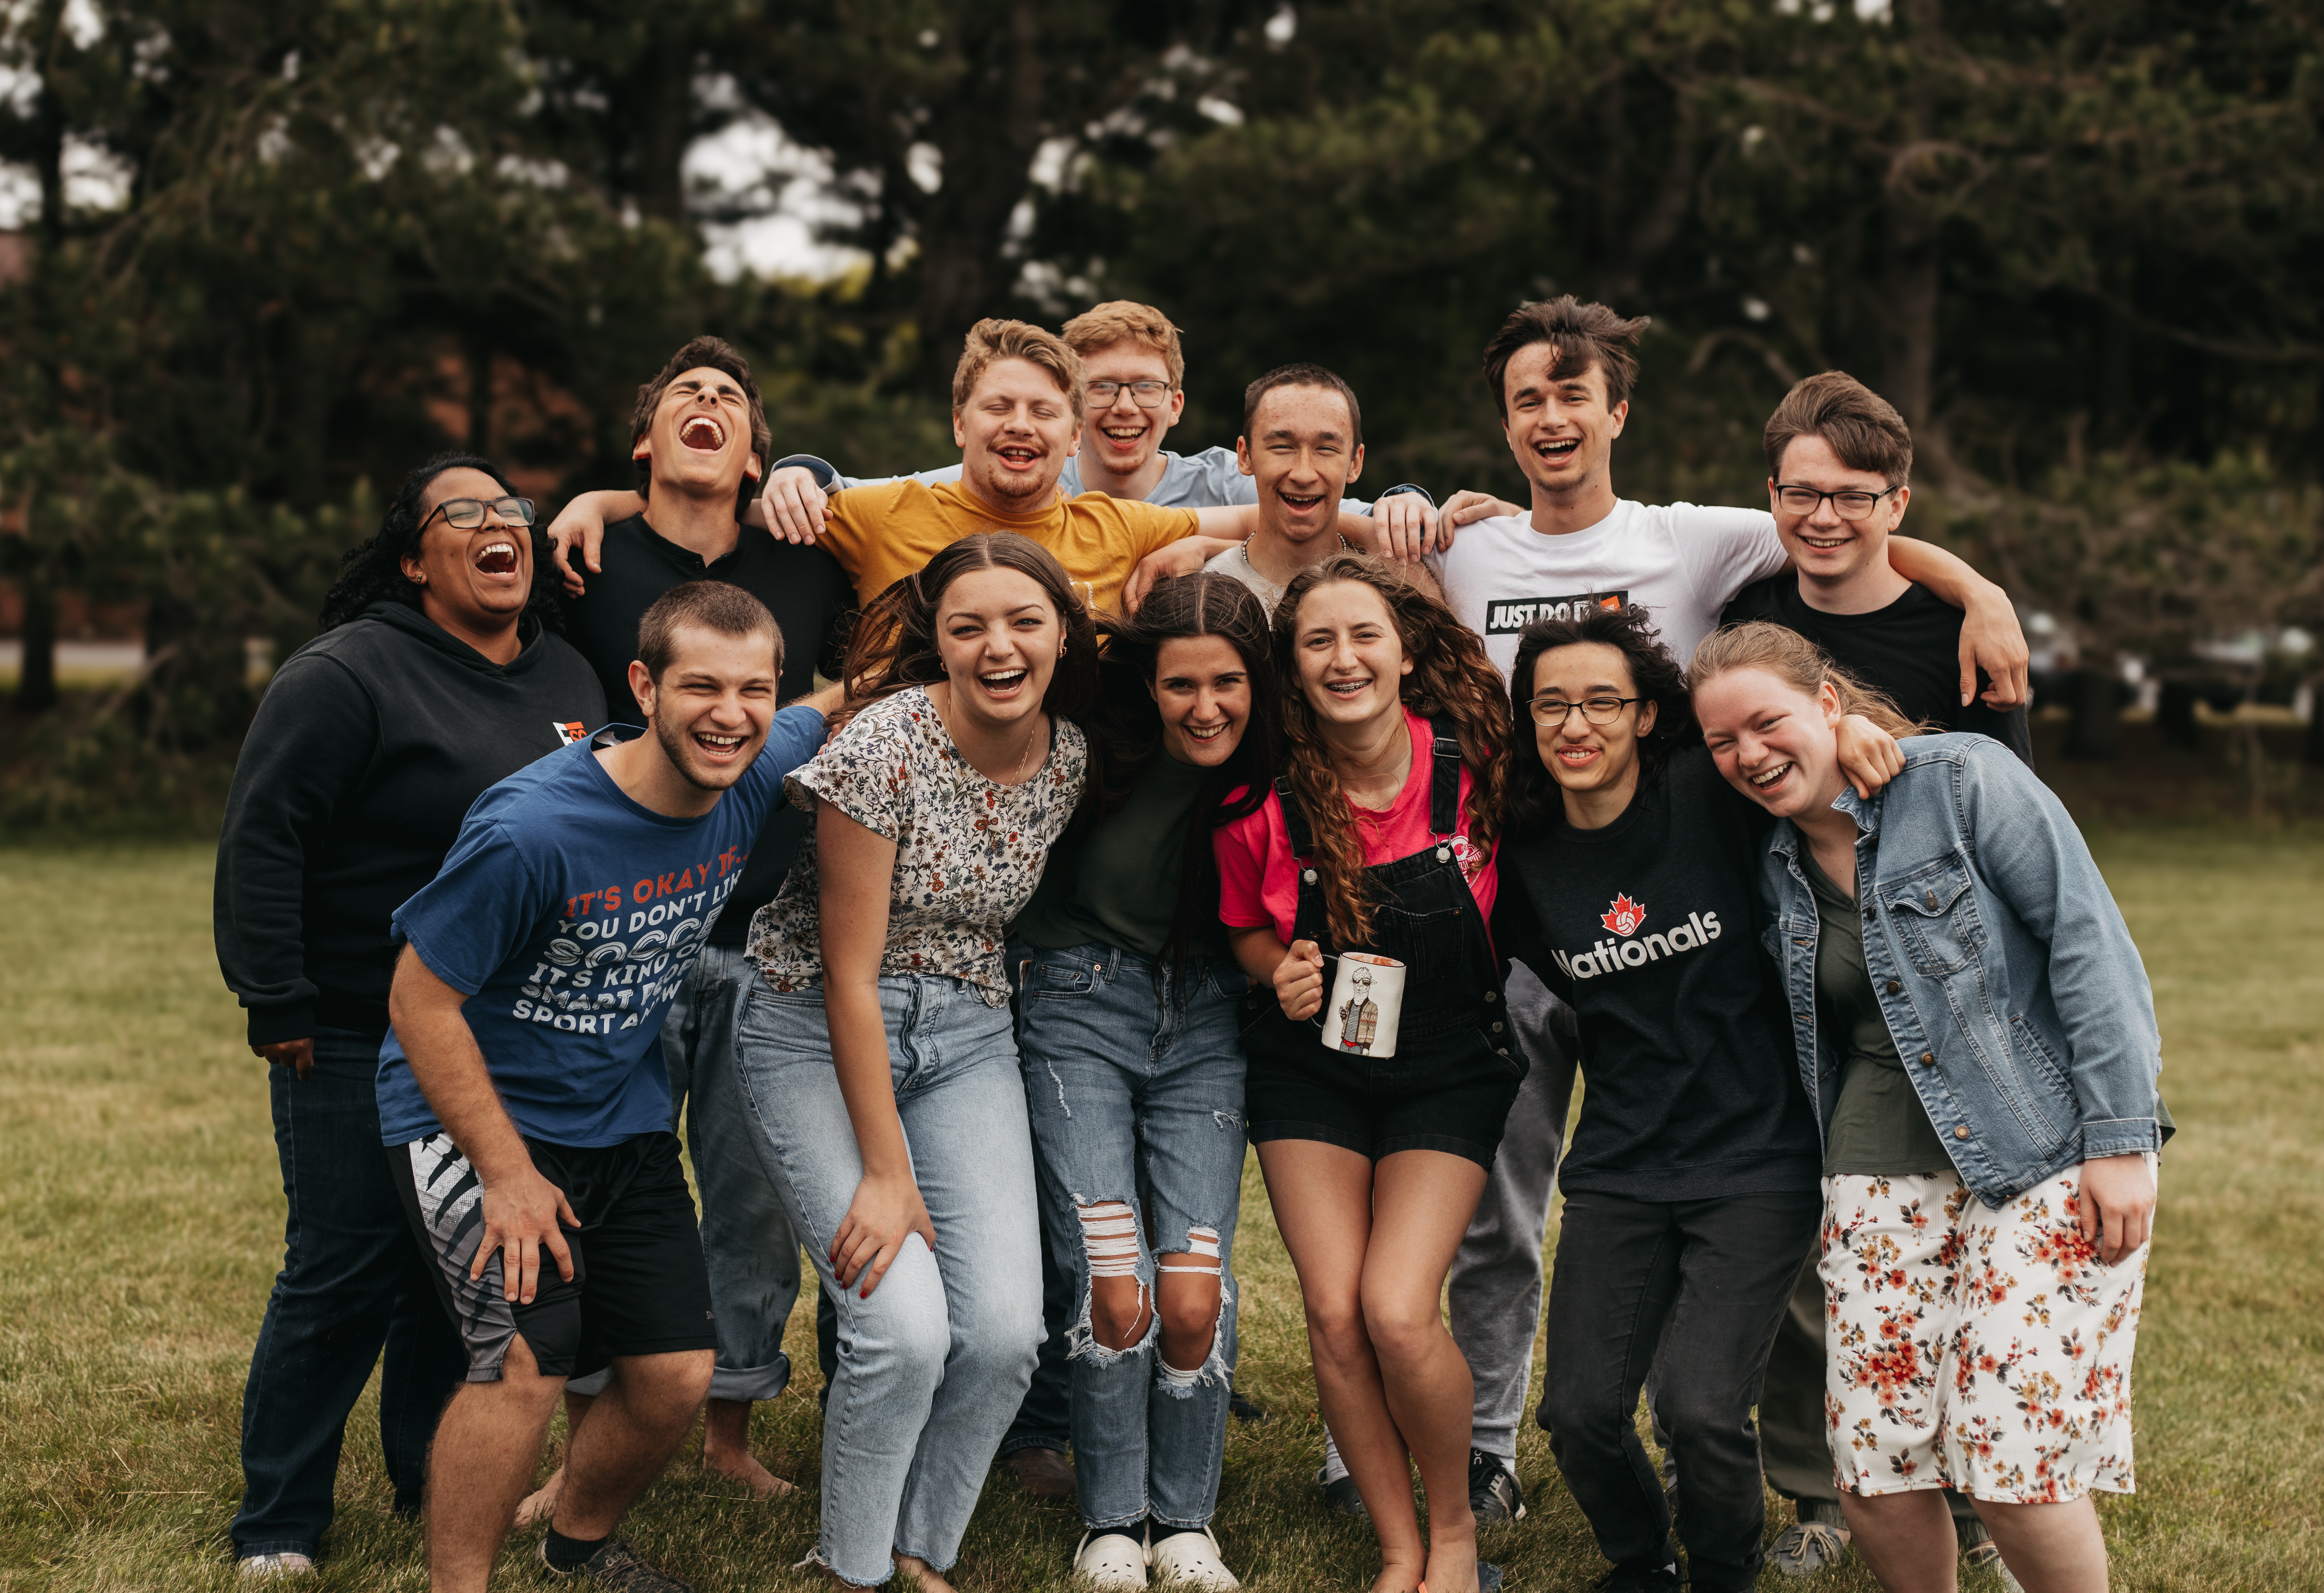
{"points": [[1109, 1560], [287, 1562], [1494, 1495], [615, 1569], [1340, 1495], [1987, 1556], [1807, 1547], [1241, 1407], [1641, 1579], [1190, 1560], [1044, 1474]]}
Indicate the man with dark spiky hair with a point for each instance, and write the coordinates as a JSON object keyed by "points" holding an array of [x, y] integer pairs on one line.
{"points": [[698, 437]]}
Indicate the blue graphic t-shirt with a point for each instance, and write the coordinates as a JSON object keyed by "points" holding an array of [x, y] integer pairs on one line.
{"points": [[573, 915]]}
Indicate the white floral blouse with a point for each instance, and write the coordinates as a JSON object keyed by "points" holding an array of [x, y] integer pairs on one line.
{"points": [[968, 849]]}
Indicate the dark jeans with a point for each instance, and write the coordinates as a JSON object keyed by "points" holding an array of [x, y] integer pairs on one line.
{"points": [[352, 1280], [1706, 1280]]}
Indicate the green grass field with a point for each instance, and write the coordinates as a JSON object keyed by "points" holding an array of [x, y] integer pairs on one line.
{"points": [[141, 1223]]}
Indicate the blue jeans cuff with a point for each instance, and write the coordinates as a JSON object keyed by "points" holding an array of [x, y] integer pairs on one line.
{"points": [[751, 1382]]}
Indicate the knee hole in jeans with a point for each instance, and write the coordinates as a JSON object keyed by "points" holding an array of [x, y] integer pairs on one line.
{"points": [[1192, 1296], [1119, 1310]]}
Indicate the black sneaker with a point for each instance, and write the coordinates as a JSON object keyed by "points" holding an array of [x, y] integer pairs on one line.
{"points": [[1641, 1579], [1242, 1409], [617, 1569], [1340, 1495], [1493, 1494]]}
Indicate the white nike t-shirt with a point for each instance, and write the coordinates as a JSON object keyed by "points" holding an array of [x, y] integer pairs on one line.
{"points": [[1681, 562]]}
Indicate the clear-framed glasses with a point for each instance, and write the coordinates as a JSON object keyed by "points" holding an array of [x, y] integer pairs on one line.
{"points": [[1148, 396], [1550, 712], [1848, 506], [467, 514]]}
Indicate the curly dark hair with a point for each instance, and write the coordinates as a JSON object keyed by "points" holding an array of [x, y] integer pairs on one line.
{"points": [[1451, 679], [1655, 675], [1128, 727], [372, 571]]}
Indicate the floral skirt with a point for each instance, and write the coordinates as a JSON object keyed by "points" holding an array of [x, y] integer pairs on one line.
{"points": [[1973, 1348]]}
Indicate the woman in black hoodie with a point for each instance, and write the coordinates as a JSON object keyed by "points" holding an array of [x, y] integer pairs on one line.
{"points": [[433, 679]]}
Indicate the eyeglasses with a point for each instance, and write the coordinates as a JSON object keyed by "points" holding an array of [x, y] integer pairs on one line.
{"points": [[1550, 712], [1148, 395], [467, 514], [1848, 506]]}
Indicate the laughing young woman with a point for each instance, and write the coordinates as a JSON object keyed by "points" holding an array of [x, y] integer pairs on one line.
{"points": [[1987, 1094], [1127, 1019], [1379, 838], [877, 1052], [1691, 1186]]}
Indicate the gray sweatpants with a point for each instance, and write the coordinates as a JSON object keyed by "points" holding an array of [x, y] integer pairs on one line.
{"points": [[1497, 1273]]}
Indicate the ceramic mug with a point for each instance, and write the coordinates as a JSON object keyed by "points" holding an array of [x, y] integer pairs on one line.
{"points": [[1367, 1000]]}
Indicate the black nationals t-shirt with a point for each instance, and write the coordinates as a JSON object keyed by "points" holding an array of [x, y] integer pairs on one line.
{"points": [[802, 588], [1647, 929], [1910, 651]]}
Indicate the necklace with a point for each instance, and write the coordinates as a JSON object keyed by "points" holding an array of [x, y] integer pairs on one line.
{"points": [[1024, 765], [1244, 547]]}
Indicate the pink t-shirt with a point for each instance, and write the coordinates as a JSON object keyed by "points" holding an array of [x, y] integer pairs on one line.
{"points": [[1258, 881]]}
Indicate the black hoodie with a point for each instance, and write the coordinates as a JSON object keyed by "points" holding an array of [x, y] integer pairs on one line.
{"points": [[373, 740]]}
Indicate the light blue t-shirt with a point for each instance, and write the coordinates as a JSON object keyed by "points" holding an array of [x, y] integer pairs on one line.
{"points": [[572, 915], [1211, 479]]}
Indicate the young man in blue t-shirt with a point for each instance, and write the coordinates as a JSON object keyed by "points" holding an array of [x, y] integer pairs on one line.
{"points": [[522, 1083]]}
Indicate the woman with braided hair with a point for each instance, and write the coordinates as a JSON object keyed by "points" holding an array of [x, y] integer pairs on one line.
{"points": [[1379, 838]]}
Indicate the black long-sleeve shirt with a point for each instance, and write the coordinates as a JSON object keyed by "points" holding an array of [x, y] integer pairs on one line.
{"points": [[372, 742], [1648, 928]]}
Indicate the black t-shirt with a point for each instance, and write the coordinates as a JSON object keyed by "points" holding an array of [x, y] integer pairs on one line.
{"points": [[1910, 650], [805, 590], [1692, 1085]]}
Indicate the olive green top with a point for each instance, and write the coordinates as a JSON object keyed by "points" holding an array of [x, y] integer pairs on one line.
{"points": [[1879, 1126], [1118, 886]]}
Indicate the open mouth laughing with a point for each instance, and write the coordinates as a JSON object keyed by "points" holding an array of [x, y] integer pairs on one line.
{"points": [[497, 558], [1557, 451], [1769, 780], [1124, 438], [1018, 456], [1003, 685], [703, 433], [718, 748], [1578, 758], [1300, 502]]}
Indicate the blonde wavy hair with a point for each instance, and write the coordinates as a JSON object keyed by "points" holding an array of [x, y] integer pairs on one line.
{"points": [[1781, 651], [1451, 679]]}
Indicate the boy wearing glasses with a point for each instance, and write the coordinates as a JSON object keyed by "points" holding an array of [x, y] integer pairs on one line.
{"points": [[1839, 462]]}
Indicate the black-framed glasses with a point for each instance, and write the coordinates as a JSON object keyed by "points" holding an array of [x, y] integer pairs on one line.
{"points": [[1550, 712], [467, 514], [1852, 505], [1147, 395]]}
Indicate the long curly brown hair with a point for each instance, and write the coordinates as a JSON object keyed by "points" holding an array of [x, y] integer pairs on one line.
{"points": [[1452, 681]]}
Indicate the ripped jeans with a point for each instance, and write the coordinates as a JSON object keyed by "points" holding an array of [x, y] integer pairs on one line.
{"points": [[1136, 1108]]}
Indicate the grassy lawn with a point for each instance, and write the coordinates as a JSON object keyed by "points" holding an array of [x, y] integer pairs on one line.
{"points": [[141, 1223]]}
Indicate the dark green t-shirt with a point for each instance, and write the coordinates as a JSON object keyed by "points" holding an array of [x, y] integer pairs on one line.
{"points": [[1118, 886], [1879, 1126]]}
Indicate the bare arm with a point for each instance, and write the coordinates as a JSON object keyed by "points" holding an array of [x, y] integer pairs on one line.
{"points": [[1990, 638], [583, 522], [522, 1210], [857, 865]]}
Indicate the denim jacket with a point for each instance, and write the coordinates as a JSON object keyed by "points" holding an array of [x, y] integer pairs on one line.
{"points": [[2005, 970]]}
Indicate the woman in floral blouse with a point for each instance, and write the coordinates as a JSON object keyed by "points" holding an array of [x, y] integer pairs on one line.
{"points": [[1974, 1026], [877, 1050]]}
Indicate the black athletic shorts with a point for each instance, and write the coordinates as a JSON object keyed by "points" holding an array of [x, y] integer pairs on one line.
{"points": [[639, 1286]]}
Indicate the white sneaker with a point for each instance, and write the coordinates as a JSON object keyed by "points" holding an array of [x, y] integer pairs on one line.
{"points": [[290, 1563], [1110, 1561], [1191, 1559]]}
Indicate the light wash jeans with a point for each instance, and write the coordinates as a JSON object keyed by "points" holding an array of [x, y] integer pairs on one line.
{"points": [[933, 1363], [1137, 1097], [746, 1236]]}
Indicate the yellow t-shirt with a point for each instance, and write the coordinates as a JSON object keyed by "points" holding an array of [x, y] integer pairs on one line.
{"points": [[882, 533]]}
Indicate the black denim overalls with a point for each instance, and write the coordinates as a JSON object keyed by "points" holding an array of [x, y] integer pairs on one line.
{"points": [[1453, 1034]]}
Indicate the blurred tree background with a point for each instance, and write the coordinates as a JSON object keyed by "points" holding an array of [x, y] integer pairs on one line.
{"points": [[273, 252]]}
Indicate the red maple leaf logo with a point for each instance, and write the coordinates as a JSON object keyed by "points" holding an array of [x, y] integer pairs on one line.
{"points": [[1624, 916]]}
